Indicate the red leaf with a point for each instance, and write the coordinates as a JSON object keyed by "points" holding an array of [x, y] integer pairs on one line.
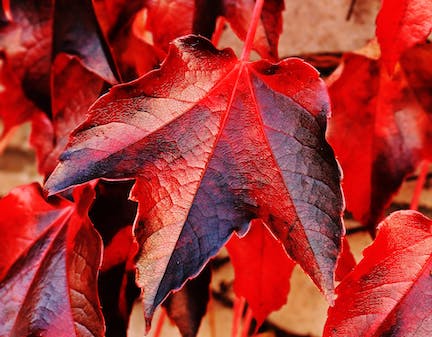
{"points": [[121, 22], [164, 23], [187, 307], [418, 71], [49, 264], [112, 215], [38, 31], [3, 14], [25, 51], [239, 13], [165, 26], [388, 293], [74, 89], [215, 143], [380, 129], [345, 262], [401, 24], [118, 293], [15, 107], [76, 32], [262, 270]]}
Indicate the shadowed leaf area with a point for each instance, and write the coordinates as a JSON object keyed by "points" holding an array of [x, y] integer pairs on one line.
{"points": [[381, 127], [49, 265]]}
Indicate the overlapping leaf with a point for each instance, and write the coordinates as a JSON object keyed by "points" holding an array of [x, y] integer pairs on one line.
{"points": [[401, 24], [76, 32], [122, 23], [346, 261], [187, 307], [112, 215], [380, 128], [214, 143], [199, 17], [25, 51], [39, 30], [74, 89], [389, 292], [239, 13], [163, 20], [49, 265], [262, 270], [3, 15]]}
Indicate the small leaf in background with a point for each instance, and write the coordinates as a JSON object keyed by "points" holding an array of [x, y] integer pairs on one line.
{"points": [[239, 12], [400, 25], [123, 24], [74, 89], [38, 32], [112, 215], [199, 17], [76, 32], [163, 20], [262, 270], [3, 15], [15, 108], [50, 260], [25, 51], [345, 262], [380, 128], [224, 143], [187, 307], [389, 292]]}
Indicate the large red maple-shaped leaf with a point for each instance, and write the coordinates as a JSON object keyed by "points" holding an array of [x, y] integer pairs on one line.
{"points": [[215, 143], [48, 266], [380, 128], [401, 24], [389, 292], [262, 270]]}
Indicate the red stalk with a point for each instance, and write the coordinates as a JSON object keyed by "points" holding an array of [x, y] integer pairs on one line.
{"points": [[220, 25], [160, 323], [256, 15], [239, 304], [6, 138], [247, 323], [424, 168]]}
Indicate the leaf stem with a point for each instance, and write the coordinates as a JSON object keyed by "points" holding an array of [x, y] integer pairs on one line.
{"points": [[247, 323], [220, 25], [424, 168], [239, 304], [160, 323], [6, 137], [256, 15]]}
